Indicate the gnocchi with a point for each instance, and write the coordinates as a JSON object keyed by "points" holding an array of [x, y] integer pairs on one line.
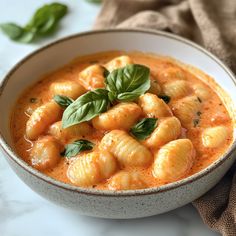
{"points": [[41, 118], [121, 116], [118, 62], [126, 149], [168, 129], [70, 89], [215, 136], [72, 132], [153, 106], [45, 153], [125, 180], [201, 91], [174, 160], [92, 77], [125, 135], [187, 110], [155, 87], [172, 73], [176, 89], [91, 168]]}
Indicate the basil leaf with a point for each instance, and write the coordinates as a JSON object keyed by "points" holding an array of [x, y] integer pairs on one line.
{"points": [[129, 82], [63, 101], [12, 30], [165, 98], [144, 128], [44, 21], [76, 147], [46, 18], [27, 36], [86, 107], [94, 1], [106, 72], [111, 96]]}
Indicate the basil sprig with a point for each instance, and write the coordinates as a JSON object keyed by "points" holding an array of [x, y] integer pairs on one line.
{"points": [[128, 83], [76, 147], [124, 84], [44, 21], [86, 107], [63, 101], [144, 128]]}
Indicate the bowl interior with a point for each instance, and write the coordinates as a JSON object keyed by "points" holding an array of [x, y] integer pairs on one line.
{"points": [[51, 57]]}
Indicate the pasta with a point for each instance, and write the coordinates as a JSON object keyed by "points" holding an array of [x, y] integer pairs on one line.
{"points": [[174, 160], [92, 77], [201, 91], [187, 110], [155, 87], [41, 118], [125, 180], [215, 136], [176, 89], [121, 116], [91, 168], [125, 135], [45, 153], [172, 73], [118, 62], [153, 106], [72, 132], [168, 129], [70, 89], [126, 149]]}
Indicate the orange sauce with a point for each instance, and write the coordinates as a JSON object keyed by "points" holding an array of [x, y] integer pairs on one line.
{"points": [[213, 112]]}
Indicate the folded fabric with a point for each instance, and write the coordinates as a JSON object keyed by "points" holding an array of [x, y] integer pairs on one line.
{"points": [[211, 24]]}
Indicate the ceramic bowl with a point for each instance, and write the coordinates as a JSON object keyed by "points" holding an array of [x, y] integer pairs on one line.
{"points": [[109, 204]]}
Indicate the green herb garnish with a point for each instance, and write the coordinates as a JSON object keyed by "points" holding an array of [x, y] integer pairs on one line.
{"points": [[128, 83], [44, 22], [144, 128], [125, 84], [62, 101], [33, 100], [165, 98], [76, 147], [195, 122], [199, 99], [86, 107], [94, 1]]}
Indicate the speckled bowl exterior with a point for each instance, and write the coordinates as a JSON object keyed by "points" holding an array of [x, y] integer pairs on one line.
{"points": [[111, 204]]}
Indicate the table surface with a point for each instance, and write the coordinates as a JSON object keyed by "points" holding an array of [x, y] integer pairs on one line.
{"points": [[23, 212]]}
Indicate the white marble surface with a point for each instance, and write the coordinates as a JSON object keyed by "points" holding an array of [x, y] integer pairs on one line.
{"points": [[23, 212]]}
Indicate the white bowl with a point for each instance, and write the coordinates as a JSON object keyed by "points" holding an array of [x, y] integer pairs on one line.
{"points": [[110, 204]]}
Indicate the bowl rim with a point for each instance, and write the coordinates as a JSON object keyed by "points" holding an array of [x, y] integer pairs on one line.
{"points": [[111, 193]]}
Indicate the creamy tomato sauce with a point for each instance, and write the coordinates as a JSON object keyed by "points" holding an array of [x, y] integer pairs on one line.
{"points": [[212, 113]]}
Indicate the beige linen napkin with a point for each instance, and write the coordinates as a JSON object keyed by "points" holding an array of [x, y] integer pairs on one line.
{"points": [[210, 23]]}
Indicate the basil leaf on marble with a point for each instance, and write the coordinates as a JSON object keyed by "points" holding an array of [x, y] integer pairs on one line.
{"points": [[44, 21], [94, 1]]}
